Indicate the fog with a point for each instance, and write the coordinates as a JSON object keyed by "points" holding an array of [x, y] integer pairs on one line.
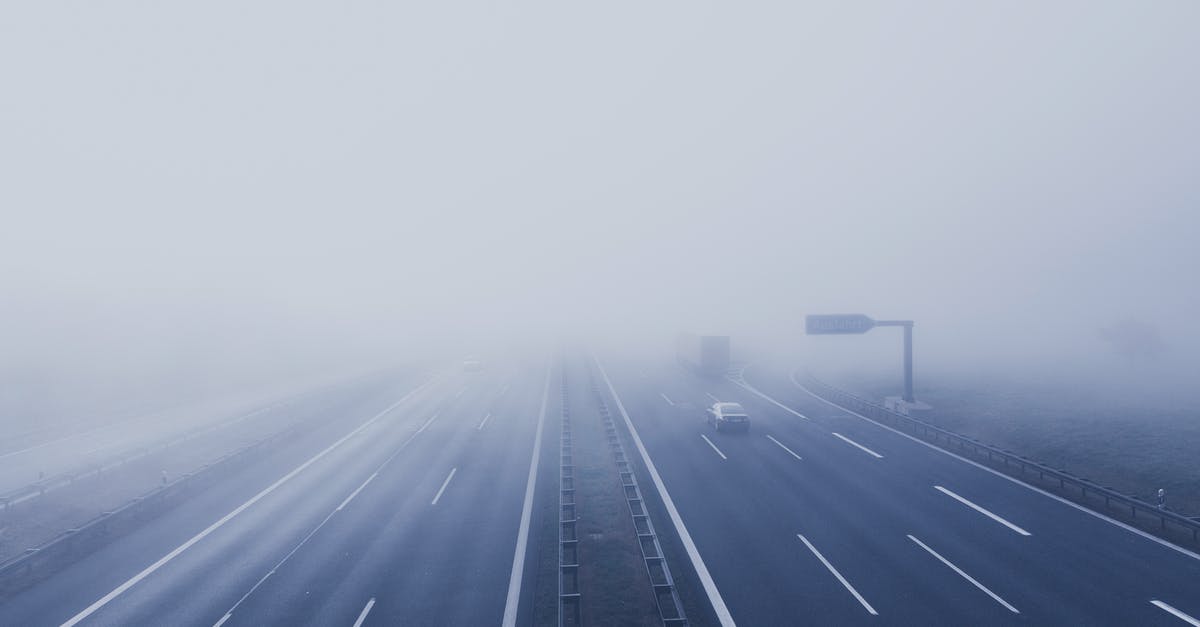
{"points": [[230, 191]]}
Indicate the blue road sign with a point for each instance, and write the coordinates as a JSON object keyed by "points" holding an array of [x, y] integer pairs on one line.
{"points": [[837, 324]]}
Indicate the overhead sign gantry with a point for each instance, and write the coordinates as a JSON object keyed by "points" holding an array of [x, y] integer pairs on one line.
{"points": [[853, 324]]}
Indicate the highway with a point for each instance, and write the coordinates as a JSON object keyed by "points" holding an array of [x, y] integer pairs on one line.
{"points": [[364, 512], [818, 516], [412, 505]]}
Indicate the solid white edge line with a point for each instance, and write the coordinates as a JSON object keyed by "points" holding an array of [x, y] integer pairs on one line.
{"points": [[793, 453], [714, 446], [667, 399], [981, 510], [1112, 521], [356, 491], [149, 570], [363, 615], [483, 422], [753, 390], [838, 575], [445, 483], [518, 568], [715, 399], [964, 575], [706, 580], [1176, 613], [856, 444]]}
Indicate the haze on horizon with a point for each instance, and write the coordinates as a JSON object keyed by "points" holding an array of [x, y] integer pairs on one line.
{"points": [[292, 185]]}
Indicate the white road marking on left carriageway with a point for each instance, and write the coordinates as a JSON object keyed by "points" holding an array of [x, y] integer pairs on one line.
{"points": [[429, 422], [149, 570], [517, 574], [366, 610], [355, 493], [318, 528], [444, 484]]}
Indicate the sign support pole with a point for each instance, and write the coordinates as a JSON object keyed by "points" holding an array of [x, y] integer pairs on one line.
{"points": [[848, 324], [908, 354]]}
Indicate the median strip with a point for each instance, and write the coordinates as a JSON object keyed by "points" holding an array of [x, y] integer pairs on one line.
{"points": [[706, 580]]}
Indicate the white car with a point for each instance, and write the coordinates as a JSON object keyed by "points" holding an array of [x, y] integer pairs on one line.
{"points": [[728, 417]]}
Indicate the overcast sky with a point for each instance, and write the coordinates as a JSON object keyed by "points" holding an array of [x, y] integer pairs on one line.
{"points": [[1013, 175]]}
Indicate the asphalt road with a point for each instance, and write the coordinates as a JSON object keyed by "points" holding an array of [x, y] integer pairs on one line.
{"points": [[407, 507], [364, 512], [817, 516]]}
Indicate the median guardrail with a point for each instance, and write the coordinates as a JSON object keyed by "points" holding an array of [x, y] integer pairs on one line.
{"points": [[569, 608], [1170, 525], [666, 593]]}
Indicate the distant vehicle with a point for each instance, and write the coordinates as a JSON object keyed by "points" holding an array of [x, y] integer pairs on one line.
{"points": [[728, 417], [472, 365], [703, 354]]}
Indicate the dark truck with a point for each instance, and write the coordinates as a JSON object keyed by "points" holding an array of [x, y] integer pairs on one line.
{"points": [[703, 354]]}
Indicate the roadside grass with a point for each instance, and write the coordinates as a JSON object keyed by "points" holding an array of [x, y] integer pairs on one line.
{"points": [[1133, 443]]}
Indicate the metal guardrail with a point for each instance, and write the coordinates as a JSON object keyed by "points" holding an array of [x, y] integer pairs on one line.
{"points": [[60, 480], [569, 609], [666, 595], [37, 563], [1170, 524]]}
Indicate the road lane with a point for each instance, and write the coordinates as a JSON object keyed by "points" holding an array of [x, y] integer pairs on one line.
{"points": [[1071, 555], [792, 523], [864, 508], [287, 511], [392, 545]]}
